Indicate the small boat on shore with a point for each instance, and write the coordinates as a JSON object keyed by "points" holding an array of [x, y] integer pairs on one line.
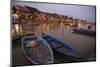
{"points": [[61, 47], [36, 49], [84, 31]]}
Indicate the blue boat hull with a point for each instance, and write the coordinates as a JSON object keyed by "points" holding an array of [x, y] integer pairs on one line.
{"points": [[61, 47]]}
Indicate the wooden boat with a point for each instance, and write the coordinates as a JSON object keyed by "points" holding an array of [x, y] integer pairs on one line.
{"points": [[36, 49], [61, 47], [84, 31]]}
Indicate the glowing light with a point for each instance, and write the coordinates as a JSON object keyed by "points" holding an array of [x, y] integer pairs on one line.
{"points": [[17, 27], [15, 15]]}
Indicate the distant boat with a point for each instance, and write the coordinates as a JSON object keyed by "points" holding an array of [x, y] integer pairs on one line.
{"points": [[61, 47], [36, 49], [84, 31]]}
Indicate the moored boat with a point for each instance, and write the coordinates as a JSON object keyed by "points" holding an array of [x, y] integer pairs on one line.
{"points": [[84, 31], [61, 47], [36, 49]]}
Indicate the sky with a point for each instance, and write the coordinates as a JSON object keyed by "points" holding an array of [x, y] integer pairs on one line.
{"points": [[82, 12]]}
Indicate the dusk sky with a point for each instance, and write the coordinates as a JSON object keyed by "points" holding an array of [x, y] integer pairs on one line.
{"points": [[76, 11]]}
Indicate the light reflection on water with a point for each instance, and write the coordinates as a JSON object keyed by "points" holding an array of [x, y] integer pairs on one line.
{"points": [[83, 44]]}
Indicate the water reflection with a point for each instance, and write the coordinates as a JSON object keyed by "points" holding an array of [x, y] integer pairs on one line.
{"points": [[62, 32], [17, 30]]}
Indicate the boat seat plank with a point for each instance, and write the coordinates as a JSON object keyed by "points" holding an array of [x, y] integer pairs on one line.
{"points": [[59, 47]]}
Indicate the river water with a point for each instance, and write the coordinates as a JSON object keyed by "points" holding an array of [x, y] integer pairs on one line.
{"points": [[85, 45]]}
